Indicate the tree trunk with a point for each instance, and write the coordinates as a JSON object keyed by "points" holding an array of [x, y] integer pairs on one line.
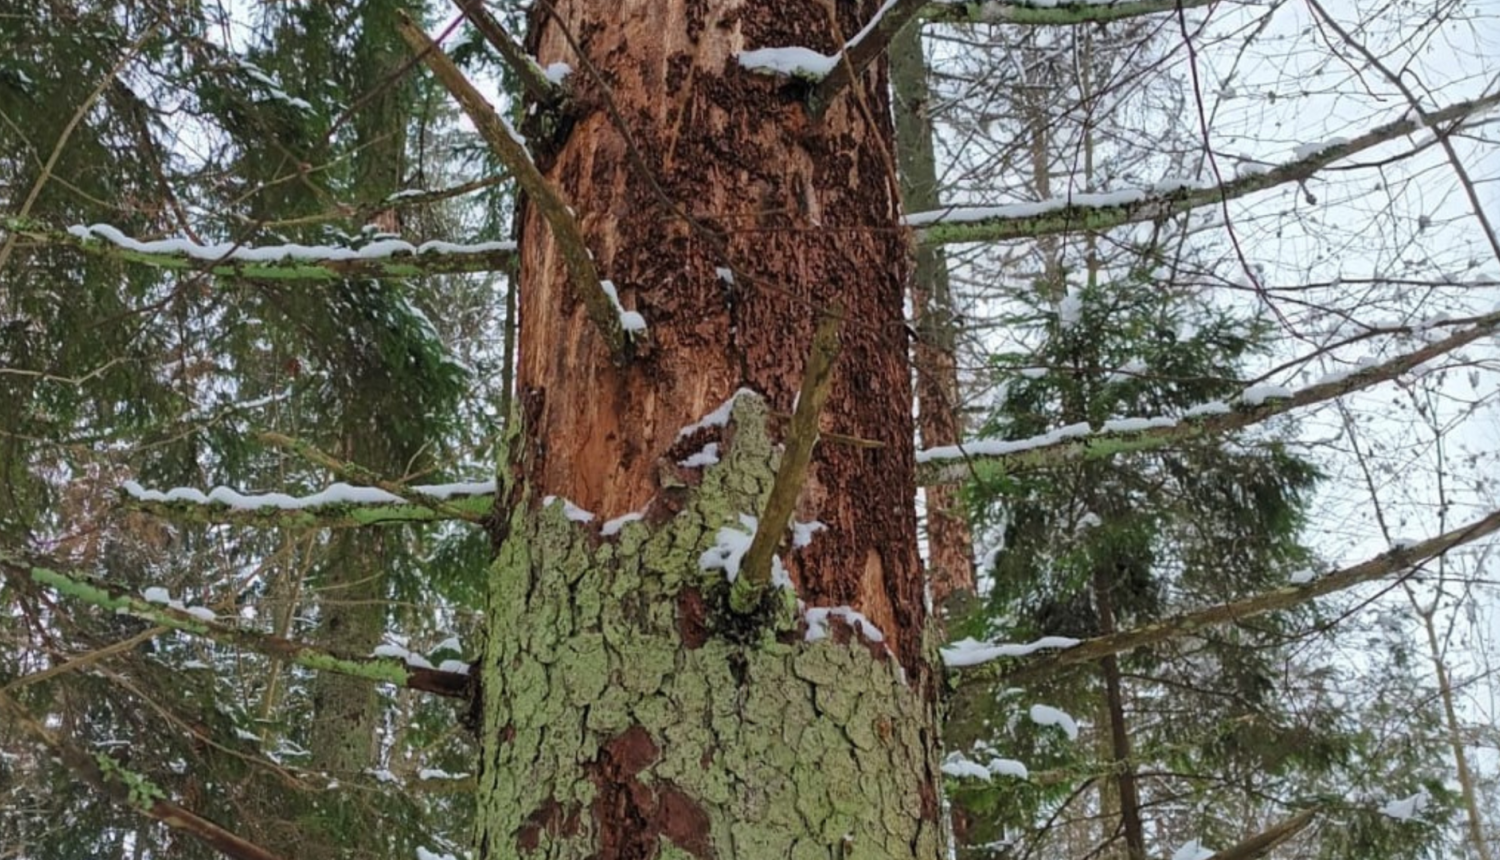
{"points": [[950, 543], [627, 711]]}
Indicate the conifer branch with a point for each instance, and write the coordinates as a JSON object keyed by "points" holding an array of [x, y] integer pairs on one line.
{"points": [[802, 437], [1094, 213], [603, 308], [101, 772], [274, 262], [947, 470], [531, 76], [333, 515], [1397, 560], [1048, 14], [111, 597]]}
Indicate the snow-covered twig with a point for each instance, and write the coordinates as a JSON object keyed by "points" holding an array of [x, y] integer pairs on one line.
{"points": [[511, 150], [345, 469], [1101, 211]]}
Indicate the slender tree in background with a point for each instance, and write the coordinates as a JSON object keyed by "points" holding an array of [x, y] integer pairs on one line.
{"points": [[706, 632]]}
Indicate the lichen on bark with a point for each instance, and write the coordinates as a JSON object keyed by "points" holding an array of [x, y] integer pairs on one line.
{"points": [[629, 713]]}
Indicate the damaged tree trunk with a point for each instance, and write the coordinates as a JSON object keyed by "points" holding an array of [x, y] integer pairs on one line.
{"points": [[628, 711]]}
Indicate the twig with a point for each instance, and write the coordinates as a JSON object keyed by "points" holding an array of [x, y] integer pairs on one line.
{"points": [[802, 437], [862, 50], [507, 145]]}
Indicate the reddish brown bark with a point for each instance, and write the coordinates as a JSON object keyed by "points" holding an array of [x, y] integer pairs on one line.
{"points": [[803, 211]]}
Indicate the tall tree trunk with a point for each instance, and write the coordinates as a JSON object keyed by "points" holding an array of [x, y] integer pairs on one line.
{"points": [[950, 543], [628, 712]]}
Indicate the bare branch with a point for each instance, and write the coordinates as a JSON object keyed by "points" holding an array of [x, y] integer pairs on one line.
{"points": [[817, 379], [1098, 212], [936, 467], [104, 774], [602, 307], [1063, 13], [1395, 561]]}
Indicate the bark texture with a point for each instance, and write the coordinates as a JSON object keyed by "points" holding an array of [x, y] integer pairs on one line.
{"points": [[717, 170], [628, 713]]}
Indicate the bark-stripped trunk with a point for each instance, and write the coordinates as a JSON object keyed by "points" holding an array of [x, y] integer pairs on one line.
{"points": [[950, 543], [627, 712]]}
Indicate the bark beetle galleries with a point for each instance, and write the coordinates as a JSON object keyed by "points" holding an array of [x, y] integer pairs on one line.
{"points": [[806, 211]]}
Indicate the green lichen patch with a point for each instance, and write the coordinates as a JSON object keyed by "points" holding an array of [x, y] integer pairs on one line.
{"points": [[630, 712]]}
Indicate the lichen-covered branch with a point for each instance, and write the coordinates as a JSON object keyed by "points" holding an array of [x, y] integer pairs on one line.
{"points": [[104, 774], [106, 596], [510, 149], [935, 467], [1396, 560], [531, 76], [817, 379], [390, 259], [1048, 14], [1103, 211]]}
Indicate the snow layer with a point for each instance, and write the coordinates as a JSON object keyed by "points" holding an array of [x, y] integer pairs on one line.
{"points": [[1046, 715], [969, 652], [817, 622], [798, 62]]}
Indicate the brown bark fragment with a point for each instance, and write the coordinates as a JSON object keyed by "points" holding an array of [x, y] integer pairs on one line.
{"points": [[691, 614], [630, 816]]}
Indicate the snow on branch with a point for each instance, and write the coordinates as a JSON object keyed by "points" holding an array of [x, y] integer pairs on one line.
{"points": [[103, 773], [386, 258], [954, 463], [156, 607], [534, 79], [1095, 212], [337, 506], [1399, 560], [1048, 12], [510, 148]]}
